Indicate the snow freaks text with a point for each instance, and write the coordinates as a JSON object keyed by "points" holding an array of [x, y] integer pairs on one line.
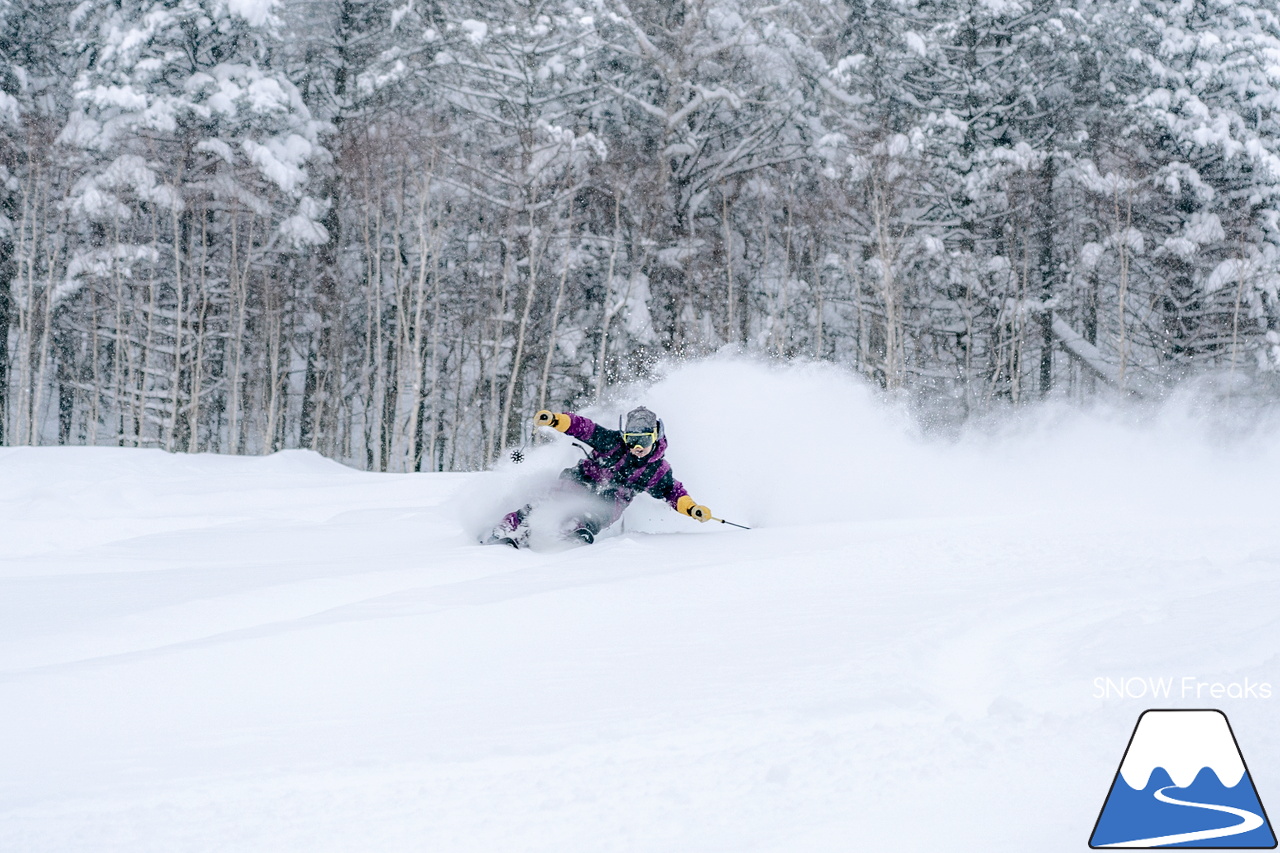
{"points": [[1184, 687]]}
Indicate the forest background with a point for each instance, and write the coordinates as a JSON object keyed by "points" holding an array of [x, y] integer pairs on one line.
{"points": [[387, 232]]}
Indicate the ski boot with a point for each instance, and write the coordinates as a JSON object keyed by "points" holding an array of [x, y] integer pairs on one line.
{"points": [[509, 531], [581, 530]]}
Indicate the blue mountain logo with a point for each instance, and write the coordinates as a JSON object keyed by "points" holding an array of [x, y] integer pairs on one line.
{"points": [[1183, 783]]}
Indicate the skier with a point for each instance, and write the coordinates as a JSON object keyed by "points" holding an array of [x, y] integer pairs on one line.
{"points": [[622, 463]]}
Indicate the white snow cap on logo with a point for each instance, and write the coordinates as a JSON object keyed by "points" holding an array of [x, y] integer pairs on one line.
{"points": [[1183, 743]]}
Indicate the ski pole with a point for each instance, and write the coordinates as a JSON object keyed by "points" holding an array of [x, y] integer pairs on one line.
{"points": [[517, 453], [730, 523]]}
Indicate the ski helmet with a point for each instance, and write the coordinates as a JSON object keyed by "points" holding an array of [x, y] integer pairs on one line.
{"points": [[642, 429]]}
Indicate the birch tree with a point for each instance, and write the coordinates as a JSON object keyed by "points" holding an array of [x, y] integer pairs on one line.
{"points": [[191, 150]]}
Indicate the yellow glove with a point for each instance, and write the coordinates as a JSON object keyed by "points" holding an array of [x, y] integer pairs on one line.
{"points": [[552, 419], [687, 505]]}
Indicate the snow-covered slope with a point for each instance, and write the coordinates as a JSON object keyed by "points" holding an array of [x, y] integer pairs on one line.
{"points": [[281, 654]]}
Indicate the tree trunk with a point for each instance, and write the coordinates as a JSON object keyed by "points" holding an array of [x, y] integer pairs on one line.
{"points": [[7, 271], [608, 309], [1048, 274], [517, 361], [551, 334], [389, 400]]}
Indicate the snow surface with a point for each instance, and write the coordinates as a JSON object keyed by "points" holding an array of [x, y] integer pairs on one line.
{"points": [[202, 653]]}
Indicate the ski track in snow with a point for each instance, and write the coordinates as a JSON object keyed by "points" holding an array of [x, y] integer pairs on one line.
{"points": [[1248, 822], [203, 653]]}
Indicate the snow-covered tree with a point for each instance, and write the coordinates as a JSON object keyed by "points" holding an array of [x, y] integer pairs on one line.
{"points": [[964, 116], [192, 151], [1193, 181], [34, 100], [385, 231], [718, 99], [520, 78]]}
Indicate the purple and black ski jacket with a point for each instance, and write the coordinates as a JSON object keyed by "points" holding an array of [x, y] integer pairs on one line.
{"points": [[614, 472]]}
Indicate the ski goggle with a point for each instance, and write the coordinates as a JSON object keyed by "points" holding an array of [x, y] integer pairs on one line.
{"points": [[640, 439]]}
